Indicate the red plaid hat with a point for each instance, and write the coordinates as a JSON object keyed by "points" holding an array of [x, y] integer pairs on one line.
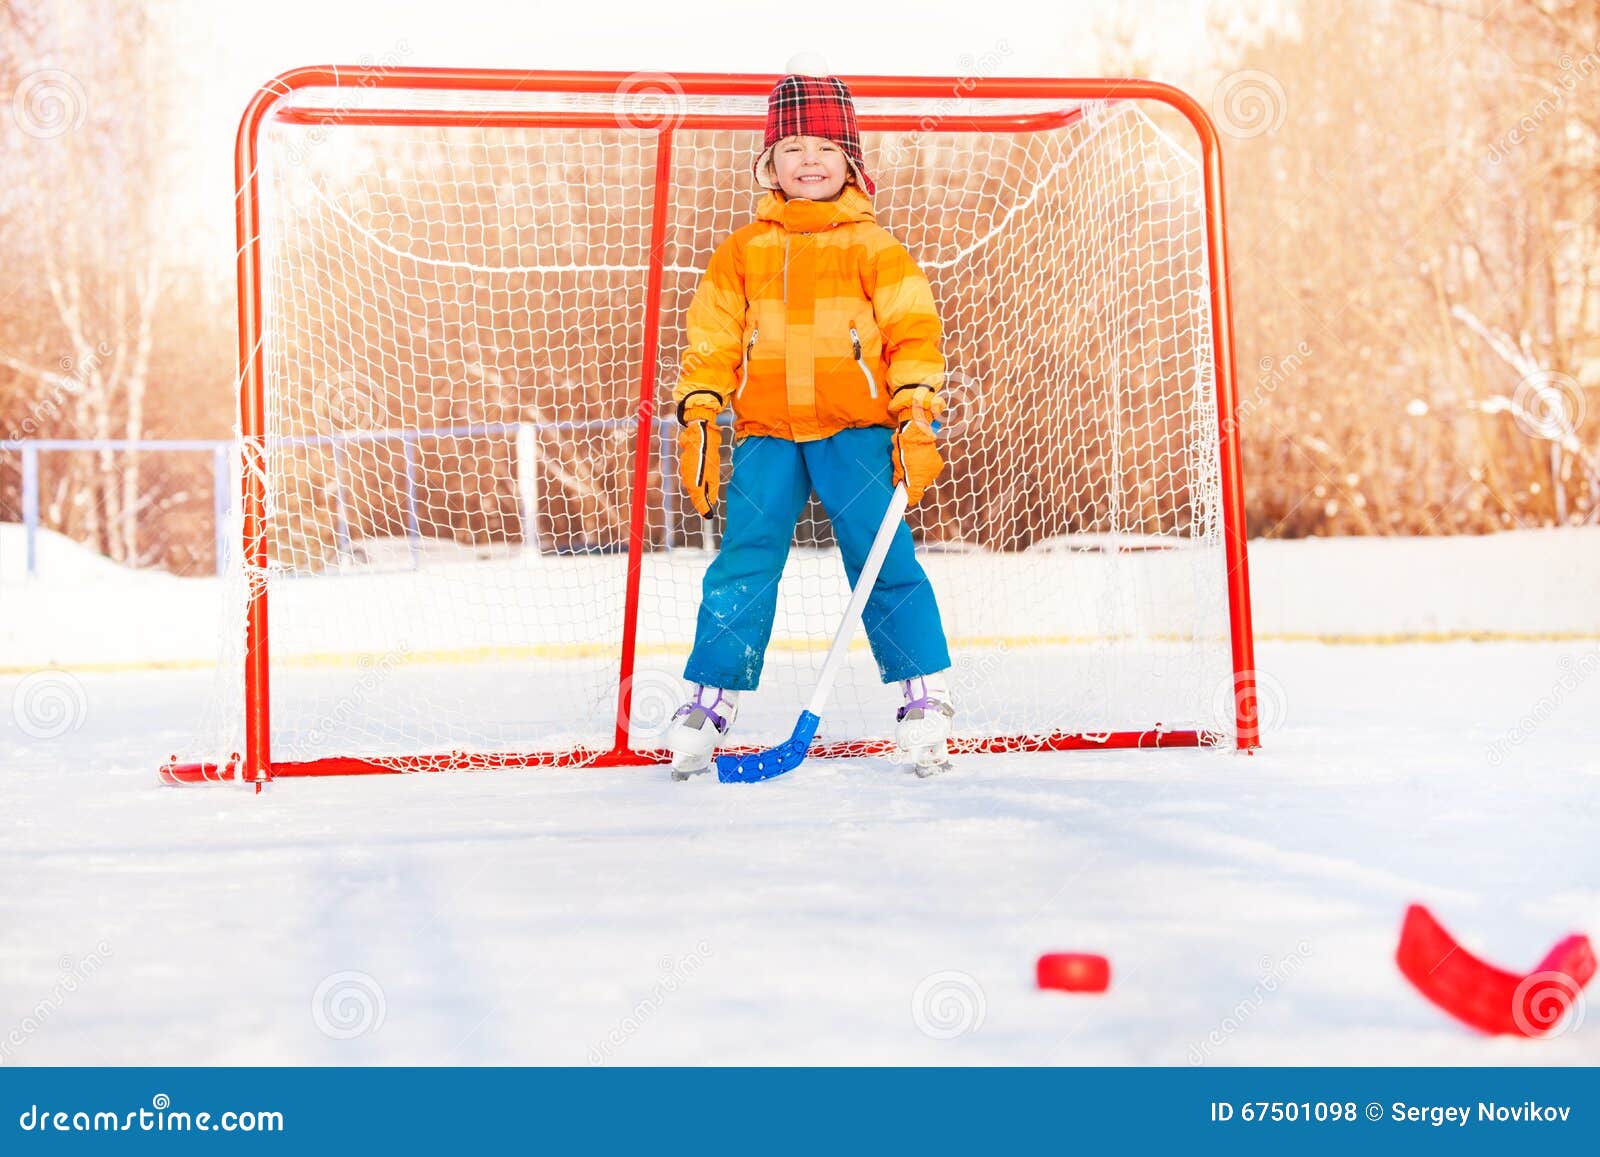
{"points": [[812, 106]]}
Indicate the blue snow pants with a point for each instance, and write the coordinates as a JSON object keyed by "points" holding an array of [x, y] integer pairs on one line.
{"points": [[772, 480]]}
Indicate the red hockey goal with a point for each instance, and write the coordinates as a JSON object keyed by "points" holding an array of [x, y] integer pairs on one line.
{"points": [[461, 299]]}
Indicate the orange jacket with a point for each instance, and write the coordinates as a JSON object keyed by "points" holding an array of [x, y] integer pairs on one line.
{"points": [[809, 319]]}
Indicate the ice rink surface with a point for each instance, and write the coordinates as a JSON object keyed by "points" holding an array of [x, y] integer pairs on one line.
{"points": [[848, 913]]}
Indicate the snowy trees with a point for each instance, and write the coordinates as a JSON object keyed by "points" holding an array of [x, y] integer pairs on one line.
{"points": [[1424, 219], [89, 258], [1414, 199]]}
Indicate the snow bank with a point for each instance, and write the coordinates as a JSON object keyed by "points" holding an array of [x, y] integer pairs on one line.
{"points": [[1519, 582], [85, 611]]}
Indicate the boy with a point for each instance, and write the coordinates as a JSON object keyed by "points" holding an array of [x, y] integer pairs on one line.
{"points": [[819, 329]]}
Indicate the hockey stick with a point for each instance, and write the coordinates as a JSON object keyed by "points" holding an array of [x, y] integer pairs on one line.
{"points": [[788, 755], [1492, 999]]}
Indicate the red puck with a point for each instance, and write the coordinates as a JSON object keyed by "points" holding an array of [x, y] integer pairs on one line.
{"points": [[1074, 971]]}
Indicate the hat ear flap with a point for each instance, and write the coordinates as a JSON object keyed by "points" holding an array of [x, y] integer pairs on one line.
{"points": [[766, 174], [856, 175]]}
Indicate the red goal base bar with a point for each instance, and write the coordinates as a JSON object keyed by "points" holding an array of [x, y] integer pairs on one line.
{"points": [[174, 772]]}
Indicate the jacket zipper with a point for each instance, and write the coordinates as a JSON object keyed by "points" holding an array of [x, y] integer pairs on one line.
{"points": [[855, 343], [744, 370]]}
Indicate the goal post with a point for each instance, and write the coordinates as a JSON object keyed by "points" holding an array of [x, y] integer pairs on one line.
{"points": [[461, 298]]}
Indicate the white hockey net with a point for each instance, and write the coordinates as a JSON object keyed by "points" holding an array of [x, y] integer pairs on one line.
{"points": [[454, 324]]}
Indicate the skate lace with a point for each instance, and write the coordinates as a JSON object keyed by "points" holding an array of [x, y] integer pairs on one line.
{"points": [[719, 719], [925, 700]]}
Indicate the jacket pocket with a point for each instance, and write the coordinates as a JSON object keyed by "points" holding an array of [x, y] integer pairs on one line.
{"points": [[861, 362], [744, 369]]}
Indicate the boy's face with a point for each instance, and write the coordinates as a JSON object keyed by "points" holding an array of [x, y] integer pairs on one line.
{"points": [[810, 167]]}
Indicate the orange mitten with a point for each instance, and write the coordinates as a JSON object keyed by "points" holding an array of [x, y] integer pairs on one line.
{"points": [[917, 463], [700, 452]]}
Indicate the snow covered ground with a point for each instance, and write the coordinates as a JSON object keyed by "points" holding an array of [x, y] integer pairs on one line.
{"points": [[848, 912]]}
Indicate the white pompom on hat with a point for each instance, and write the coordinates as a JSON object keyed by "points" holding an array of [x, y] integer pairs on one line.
{"points": [[807, 64]]}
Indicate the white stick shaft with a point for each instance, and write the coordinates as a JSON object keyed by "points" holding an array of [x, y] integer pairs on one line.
{"points": [[858, 598]]}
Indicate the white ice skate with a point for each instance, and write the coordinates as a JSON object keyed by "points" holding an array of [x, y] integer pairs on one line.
{"points": [[697, 727], [922, 726]]}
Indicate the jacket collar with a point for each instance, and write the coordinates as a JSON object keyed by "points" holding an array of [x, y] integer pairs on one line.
{"points": [[802, 216]]}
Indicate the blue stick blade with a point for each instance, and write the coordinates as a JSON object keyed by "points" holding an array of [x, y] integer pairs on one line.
{"points": [[774, 761]]}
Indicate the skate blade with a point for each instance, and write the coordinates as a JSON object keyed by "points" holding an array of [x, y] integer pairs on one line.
{"points": [[925, 764], [680, 774]]}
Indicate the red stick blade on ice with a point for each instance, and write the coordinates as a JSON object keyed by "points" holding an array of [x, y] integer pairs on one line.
{"points": [[1489, 998]]}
